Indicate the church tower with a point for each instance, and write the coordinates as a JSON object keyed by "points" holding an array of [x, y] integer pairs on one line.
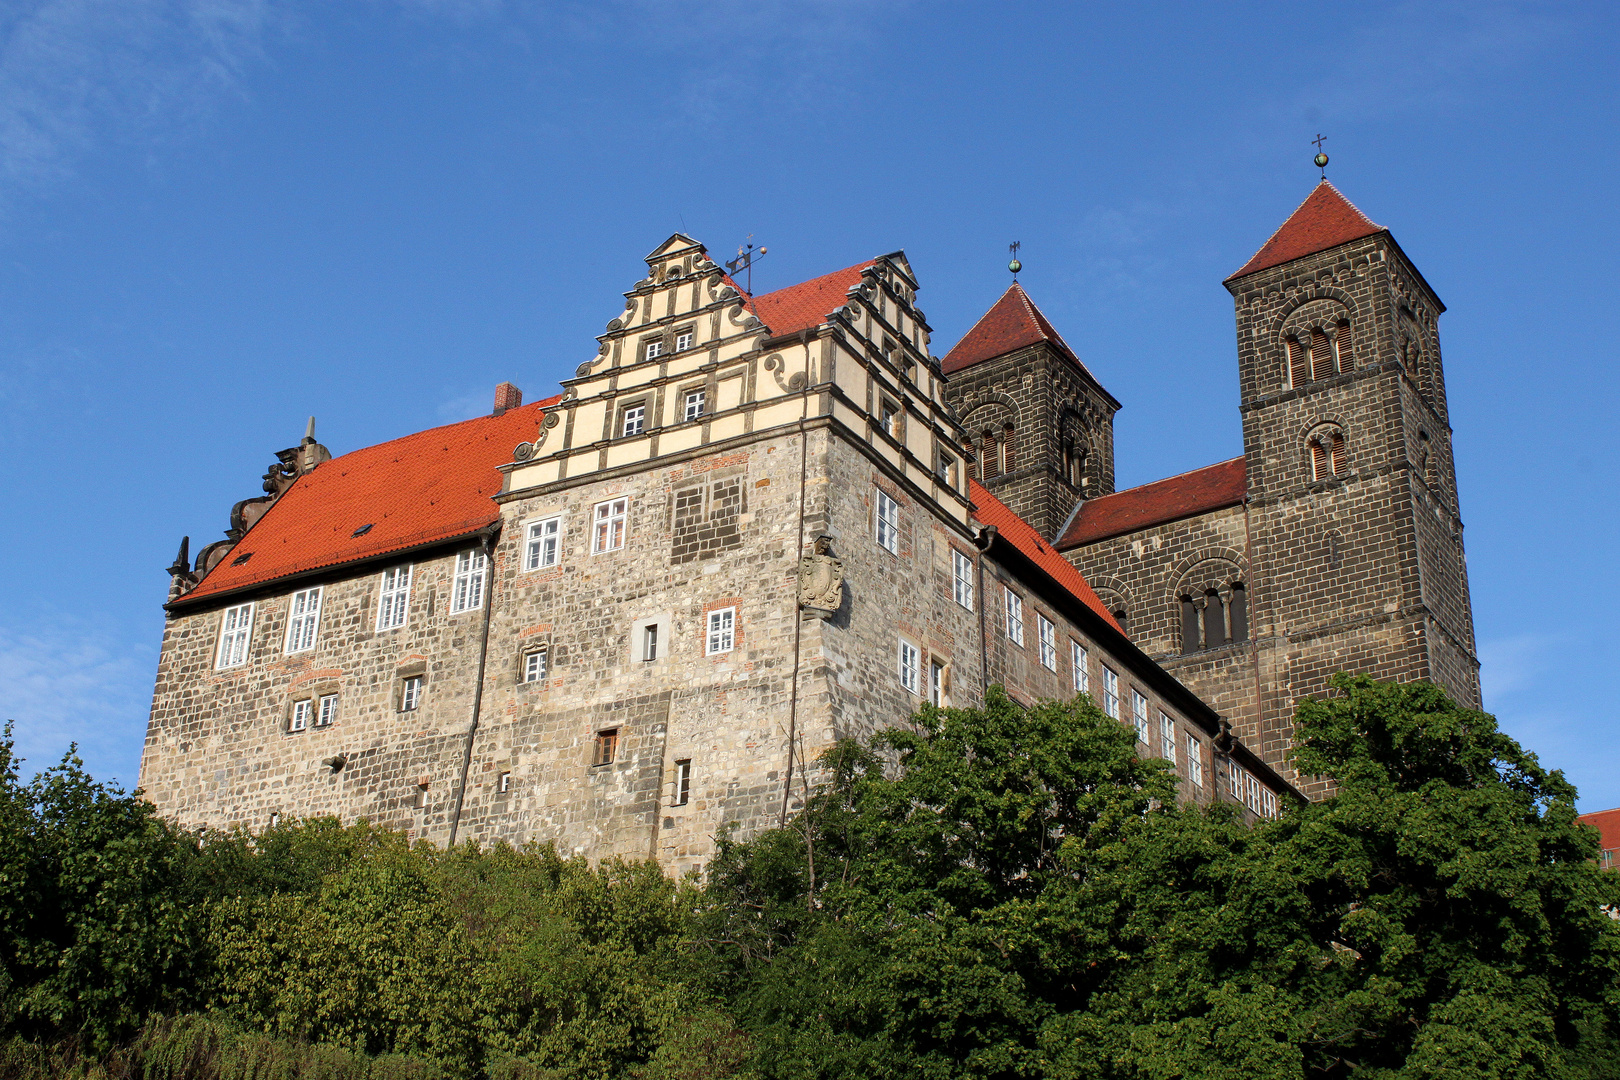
{"points": [[1039, 424], [1356, 551]]}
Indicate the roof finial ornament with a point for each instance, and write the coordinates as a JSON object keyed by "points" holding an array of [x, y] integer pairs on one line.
{"points": [[1014, 265], [309, 431], [1321, 159]]}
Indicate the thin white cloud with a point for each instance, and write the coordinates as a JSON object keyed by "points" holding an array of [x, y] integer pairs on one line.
{"points": [[64, 680], [1508, 665]]}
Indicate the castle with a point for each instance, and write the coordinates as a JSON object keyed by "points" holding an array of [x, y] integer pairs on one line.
{"points": [[624, 617]]}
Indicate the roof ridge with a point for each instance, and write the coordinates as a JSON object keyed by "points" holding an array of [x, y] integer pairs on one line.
{"points": [[1319, 219]]}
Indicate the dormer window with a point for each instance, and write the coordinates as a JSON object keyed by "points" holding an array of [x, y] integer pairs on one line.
{"points": [[635, 421], [683, 341], [654, 349]]}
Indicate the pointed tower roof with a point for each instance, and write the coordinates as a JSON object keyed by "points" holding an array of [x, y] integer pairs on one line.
{"points": [[1325, 219], [1012, 322]]}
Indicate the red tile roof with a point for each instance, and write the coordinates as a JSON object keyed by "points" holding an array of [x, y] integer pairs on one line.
{"points": [[1325, 219], [1607, 823], [434, 485], [990, 510], [1211, 488], [807, 304], [1011, 323]]}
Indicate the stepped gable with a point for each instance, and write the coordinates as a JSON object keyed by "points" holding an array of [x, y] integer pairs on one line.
{"points": [[1012, 322], [1214, 487], [434, 486], [1324, 220], [989, 510], [806, 305]]}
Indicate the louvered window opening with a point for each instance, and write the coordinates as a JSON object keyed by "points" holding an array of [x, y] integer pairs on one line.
{"points": [[1321, 355]]}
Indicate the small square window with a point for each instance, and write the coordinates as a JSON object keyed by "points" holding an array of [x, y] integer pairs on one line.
{"points": [[410, 694], [635, 421], [328, 711], [607, 747], [888, 523], [910, 676], [1015, 617], [542, 543], [1080, 663], [300, 715], [695, 402], [1048, 641], [610, 526], [683, 782], [534, 665], [654, 349], [683, 341], [504, 784], [722, 635], [962, 579]]}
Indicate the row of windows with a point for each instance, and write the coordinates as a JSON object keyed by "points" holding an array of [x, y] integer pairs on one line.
{"points": [[1260, 800], [633, 418], [1320, 356], [996, 453], [1214, 618], [653, 349]]}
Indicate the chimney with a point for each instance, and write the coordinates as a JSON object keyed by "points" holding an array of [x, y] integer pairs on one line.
{"points": [[507, 396]]}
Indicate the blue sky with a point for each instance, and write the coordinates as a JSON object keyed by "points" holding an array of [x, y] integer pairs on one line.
{"points": [[220, 216]]}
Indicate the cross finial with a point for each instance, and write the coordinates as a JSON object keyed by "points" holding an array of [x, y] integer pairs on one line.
{"points": [[1014, 265], [1321, 159]]}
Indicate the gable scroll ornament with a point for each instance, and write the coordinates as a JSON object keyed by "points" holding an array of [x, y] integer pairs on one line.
{"points": [[821, 580]]}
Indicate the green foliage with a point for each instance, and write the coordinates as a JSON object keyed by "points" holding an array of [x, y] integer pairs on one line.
{"points": [[1003, 892]]}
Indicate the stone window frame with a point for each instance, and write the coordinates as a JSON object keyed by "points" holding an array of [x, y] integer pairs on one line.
{"points": [[298, 622], [1215, 583], [527, 528], [542, 649], [661, 625], [234, 645], [621, 414], [700, 391], [891, 415], [1325, 451], [689, 332], [416, 669], [309, 694], [938, 681], [605, 746], [1331, 316], [652, 347]]}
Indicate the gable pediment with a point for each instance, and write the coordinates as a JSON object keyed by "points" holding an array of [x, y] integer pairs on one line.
{"points": [[678, 244]]}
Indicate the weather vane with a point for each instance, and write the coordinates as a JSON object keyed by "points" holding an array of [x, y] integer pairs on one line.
{"points": [[746, 257], [1321, 159], [1014, 265]]}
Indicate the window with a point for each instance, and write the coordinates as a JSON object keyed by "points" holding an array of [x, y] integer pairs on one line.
{"points": [[683, 341], [1047, 634], [1080, 665], [1110, 692], [609, 533], [534, 665], [722, 635], [1342, 346], [607, 747], [1139, 713], [1015, 616], [909, 673], [1195, 760], [303, 615], [989, 462], [504, 784], [1328, 456], [962, 579], [1268, 803], [467, 589], [328, 711], [1322, 364], [654, 349], [393, 597], [299, 720], [888, 523], [683, 782], [938, 680], [635, 419], [889, 418], [649, 642], [695, 401], [235, 630], [541, 543], [947, 469], [410, 694], [1216, 618], [1009, 442], [1298, 374], [1167, 737]]}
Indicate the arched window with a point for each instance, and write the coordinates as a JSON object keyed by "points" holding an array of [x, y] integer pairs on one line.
{"points": [[1191, 639], [1321, 355], [1214, 620], [1298, 374], [1342, 346], [1009, 462], [1238, 612], [989, 464], [1328, 455], [1217, 616]]}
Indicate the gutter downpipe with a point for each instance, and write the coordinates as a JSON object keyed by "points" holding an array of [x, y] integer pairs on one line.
{"points": [[488, 544], [986, 537]]}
